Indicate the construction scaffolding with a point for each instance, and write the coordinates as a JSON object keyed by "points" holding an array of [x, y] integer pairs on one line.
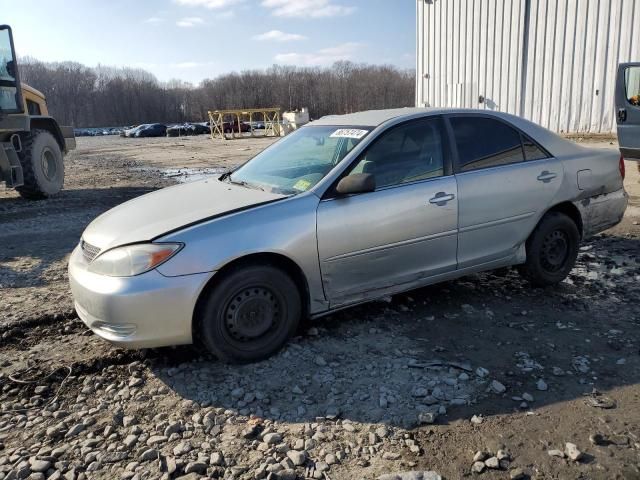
{"points": [[235, 123]]}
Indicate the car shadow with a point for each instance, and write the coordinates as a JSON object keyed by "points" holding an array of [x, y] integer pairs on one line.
{"points": [[483, 344]]}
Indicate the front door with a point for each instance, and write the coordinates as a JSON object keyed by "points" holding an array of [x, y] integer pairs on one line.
{"points": [[403, 232], [628, 109], [505, 182]]}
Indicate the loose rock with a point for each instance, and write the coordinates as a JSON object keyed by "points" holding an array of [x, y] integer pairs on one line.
{"points": [[571, 450]]}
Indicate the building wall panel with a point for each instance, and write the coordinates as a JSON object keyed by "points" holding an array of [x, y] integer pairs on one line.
{"points": [[469, 49]]}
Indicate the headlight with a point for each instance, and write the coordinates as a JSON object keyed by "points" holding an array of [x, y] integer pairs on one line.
{"points": [[133, 260]]}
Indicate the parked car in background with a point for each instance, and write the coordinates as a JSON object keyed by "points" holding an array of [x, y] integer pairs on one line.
{"points": [[145, 130], [232, 127], [152, 130], [187, 129], [346, 209], [131, 131], [201, 128]]}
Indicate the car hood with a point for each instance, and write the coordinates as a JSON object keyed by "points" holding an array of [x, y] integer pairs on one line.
{"points": [[154, 214]]}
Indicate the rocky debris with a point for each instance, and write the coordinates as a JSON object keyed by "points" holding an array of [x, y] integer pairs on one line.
{"points": [[217, 459], [149, 454], [542, 385], [597, 400], [497, 387], [517, 474], [556, 453], [196, 467], [272, 438], [483, 460], [601, 440], [297, 457], [480, 456], [39, 465], [413, 475], [427, 418], [129, 421], [572, 452]]}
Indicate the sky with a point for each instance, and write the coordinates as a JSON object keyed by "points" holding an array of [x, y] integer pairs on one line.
{"points": [[196, 39]]}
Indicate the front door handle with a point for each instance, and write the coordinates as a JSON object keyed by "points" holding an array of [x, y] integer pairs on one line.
{"points": [[441, 198], [546, 176]]}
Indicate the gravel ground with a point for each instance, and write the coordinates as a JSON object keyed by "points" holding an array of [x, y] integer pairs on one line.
{"points": [[481, 377]]}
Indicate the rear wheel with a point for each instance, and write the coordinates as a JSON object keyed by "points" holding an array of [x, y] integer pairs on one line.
{"points": [[249, 314], [552, 250], [42, 165]]}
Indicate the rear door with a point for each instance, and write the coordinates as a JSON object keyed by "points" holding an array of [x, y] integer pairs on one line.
{"points": [[505, 182], [628, 109]]}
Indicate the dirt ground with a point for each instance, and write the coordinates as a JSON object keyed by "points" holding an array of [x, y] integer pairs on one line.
{"points": [[386, 387]]}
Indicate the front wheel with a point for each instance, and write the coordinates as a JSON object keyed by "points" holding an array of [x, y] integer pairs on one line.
{"points": [[42, 165], [249, 314], [552, 250]]}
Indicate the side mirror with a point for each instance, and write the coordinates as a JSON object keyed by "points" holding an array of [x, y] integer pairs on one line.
{"points": [[356, 183]]}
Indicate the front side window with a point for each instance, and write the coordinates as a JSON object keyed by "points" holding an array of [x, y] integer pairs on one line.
{"points": [[484, 142], [632, 83], [410, 152], [300, 160]]}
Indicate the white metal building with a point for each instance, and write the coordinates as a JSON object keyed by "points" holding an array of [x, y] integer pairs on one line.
{"points": [[551, 61]]}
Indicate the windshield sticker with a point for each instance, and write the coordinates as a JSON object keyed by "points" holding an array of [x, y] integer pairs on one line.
{"points": [[349, 133], [302, 185]]}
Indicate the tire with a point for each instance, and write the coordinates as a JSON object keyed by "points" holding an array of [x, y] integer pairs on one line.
{"points": [[42, 165], [552, 250], [249, 314]]}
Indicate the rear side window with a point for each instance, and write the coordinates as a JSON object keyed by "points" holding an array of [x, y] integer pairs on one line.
{"points": [[484, 142], [531, 150]]}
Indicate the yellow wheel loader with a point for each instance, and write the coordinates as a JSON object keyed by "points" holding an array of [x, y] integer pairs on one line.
{"points": [[32, 144]]}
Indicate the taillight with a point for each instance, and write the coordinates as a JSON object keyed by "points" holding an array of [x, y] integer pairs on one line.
{"points": [[621, 167]]}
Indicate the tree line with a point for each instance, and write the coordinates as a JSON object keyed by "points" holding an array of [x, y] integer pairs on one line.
{"points": [[105, 96]]}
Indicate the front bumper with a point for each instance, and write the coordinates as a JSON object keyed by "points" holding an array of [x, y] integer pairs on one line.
{"points": [[602, 211], [145, 311]]}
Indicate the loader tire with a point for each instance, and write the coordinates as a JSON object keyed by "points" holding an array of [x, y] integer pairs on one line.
{"points": [[42, 165]]}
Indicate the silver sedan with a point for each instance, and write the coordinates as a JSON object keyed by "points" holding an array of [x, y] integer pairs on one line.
{"points": [[344, 210]]}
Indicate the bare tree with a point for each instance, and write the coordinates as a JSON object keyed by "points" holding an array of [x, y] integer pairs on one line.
{"points": [[108, 96]]}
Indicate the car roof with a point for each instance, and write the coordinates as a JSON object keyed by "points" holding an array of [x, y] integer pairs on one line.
{"points": [[555, 144], [373, 118]]}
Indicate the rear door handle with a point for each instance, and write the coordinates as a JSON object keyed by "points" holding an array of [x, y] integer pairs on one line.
{"points": [[441, 198], [546, 176]]}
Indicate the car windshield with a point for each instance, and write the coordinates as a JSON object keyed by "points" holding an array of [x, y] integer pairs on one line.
{"points": [[300, 160]]}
